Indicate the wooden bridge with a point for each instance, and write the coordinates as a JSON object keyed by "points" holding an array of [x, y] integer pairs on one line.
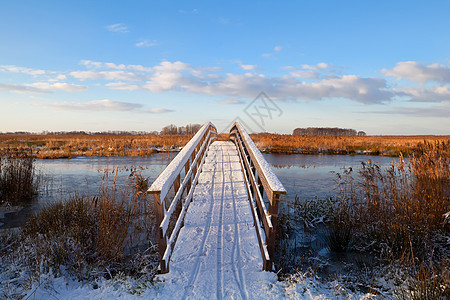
{"points": [[217, 208]]}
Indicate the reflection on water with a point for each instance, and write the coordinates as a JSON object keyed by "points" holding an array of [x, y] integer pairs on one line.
{"points": [[313, 177], [64, 178], [307, 176], [83, 175], [310, 176]]}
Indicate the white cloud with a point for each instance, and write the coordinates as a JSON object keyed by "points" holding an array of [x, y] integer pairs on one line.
{"points": [[309, 71], [318, 67], [158, 111], [231, 101], [275, 49], [179, 76], [104, 105], [96, 105], [101, 65], [430, 94], [119, 27], [58, 78], [123, 86], [146, 43], [107, 75], [249, 67], [307, 82], [167, 77], [417, 72], [42, 87], [17, 88], [365, 90], [304, 74], [58, 86], [22, 70]]}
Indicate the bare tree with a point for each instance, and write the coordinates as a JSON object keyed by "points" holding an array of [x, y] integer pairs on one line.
{"points": [[170, 129]]}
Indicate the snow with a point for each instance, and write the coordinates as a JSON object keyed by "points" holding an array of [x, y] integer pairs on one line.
{"points": [[168, 176], [272, 179], [299, 286], [216, 256]]}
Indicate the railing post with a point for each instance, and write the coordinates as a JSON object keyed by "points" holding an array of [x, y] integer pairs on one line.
{"points": [[273, 213], [176, 183], [159, 210], [186, 170]]}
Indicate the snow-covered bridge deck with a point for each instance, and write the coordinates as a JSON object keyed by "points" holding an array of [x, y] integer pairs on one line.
{"points": [[217, 251], [217, 244]]}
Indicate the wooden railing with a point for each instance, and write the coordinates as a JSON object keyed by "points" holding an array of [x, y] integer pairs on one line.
{"points": [[173, 189], [259, 178]]}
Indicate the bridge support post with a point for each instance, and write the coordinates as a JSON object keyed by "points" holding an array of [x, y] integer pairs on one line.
{"points": [[273, 213], [159, 211]]}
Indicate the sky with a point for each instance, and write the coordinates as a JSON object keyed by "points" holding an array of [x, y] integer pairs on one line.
{"points": [[378, 66]]}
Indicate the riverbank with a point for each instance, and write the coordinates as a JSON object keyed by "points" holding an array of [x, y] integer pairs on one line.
{"points": [[346, 145], [322, 273], [53, 146]]}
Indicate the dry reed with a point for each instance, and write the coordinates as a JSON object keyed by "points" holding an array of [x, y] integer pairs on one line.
{"points": [[375, 145], [66, 146], [18, 179], [101, 235]]}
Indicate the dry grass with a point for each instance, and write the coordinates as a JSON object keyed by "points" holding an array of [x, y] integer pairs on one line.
{"points": [[18, 181], [427, 282], [98, 236], [66, 146], [394, 216], [376, 145], [398, 214], [403, 206]]}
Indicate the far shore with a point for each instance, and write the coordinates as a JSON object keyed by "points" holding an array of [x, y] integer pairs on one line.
{"points": [[54, 146]]}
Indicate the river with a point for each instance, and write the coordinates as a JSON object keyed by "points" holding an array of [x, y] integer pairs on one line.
{"points": [[305, 176]]}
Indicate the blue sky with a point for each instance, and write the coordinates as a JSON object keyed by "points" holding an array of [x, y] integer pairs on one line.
{"points": [[378, 66]]}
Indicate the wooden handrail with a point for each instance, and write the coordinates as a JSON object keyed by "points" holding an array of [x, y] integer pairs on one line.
{"points": [[259, 178], [170, 211]]}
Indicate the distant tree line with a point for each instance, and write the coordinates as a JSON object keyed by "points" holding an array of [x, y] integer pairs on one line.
{"points": [[328, 131], [188, 129]]}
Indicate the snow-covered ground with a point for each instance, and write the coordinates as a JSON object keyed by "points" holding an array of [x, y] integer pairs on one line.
{"points": [[299, 287], [216, 256]]}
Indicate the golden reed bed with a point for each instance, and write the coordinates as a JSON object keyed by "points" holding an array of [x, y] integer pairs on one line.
{"points": [[66, 146]]}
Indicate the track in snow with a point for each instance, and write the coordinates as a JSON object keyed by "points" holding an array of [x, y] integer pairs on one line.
{"points": [[217, 254]]}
